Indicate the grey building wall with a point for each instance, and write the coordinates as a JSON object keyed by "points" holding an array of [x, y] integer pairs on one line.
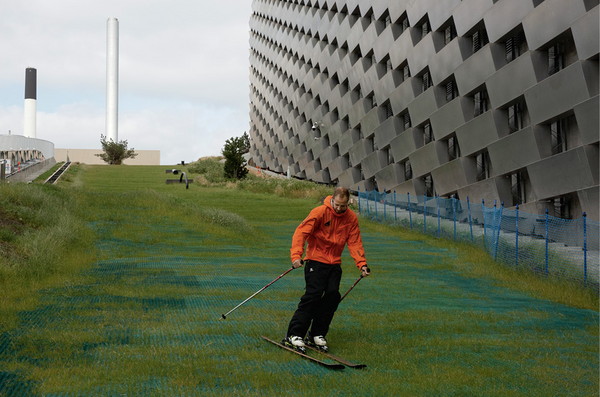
{"points": [[490, 99]]}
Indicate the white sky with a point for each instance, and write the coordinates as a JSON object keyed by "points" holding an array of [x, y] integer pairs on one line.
{"points": [[183, 72]]}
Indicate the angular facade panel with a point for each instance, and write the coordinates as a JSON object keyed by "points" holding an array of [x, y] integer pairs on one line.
{"points": [[495, 100]]}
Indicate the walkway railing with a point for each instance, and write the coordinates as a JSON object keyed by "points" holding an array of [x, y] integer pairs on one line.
{"points": [[566, 248]]}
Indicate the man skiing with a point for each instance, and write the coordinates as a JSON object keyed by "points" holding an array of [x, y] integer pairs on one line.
{"points": [[327, 229]]}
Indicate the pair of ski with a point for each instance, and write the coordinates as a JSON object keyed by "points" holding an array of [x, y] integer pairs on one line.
{"points": [[340, 362]]}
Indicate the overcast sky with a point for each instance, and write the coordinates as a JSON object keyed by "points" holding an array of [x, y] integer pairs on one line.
{"points": [[183, 72]]}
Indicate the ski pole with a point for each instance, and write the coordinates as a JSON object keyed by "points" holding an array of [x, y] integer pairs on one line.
{"points": [[224, 316], [353, 285]]}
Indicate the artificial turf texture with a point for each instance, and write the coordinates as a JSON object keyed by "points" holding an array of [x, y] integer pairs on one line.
{"points": [[144, 317]]}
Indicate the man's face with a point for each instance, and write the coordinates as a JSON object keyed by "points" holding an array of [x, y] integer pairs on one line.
{"points": [[339, 204]]}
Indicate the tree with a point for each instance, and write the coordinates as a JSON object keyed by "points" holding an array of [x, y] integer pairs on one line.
{"points": [[115, 153], [234, 150]]}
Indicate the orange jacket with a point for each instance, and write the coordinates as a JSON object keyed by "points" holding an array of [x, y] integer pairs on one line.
{"points": [[327, 232]]}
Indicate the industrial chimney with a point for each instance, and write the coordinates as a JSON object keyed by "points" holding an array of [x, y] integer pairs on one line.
{"points": [[112, 79], [29, 124]]}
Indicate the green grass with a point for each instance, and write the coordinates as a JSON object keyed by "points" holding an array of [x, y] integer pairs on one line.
{"points": [[131, 304]]}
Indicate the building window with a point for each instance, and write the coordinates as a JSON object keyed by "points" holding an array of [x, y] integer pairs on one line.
{"points": [[427, 133], [514, 46], [482, 161], [481, 102], [453, 149], [558, 135], [405, 72], [425, 29], [451, 90], [556, 57], [449, 33], [406, 120], [403, 23], [516, 116], [407, 170], [429, 188], [388, 155], [371, 101], [389, 111], [426, 80], [387, 20], [562, 207], [479, 39], [517, 187]]}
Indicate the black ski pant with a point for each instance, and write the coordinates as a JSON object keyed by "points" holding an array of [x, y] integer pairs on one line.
{"points": [[320, 300]]}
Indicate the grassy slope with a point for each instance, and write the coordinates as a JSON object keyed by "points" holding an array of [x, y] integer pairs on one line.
{"points": [[140, 312]]}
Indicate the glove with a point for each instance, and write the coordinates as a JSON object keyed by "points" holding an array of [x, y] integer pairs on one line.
{"points": [[365, 271], [297, 263]]}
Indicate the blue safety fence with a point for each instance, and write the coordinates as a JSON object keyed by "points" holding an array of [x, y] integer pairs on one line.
{"points": [[548, 245]]}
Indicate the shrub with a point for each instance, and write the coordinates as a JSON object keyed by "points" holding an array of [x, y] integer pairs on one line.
{"points": [[210, 170]]}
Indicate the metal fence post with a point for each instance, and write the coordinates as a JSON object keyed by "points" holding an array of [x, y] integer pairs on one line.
{"points": [[517, 235], [497, 230], [375, 198], [409, 211], [546, 241], [453, 201], [470, 218], [585, 247], [483, 223], [424, 214], [437, 203], [395, 208], [384, 206], [358, 193]]}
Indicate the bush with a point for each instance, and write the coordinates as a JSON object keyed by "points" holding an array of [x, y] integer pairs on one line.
{"points": [[287, 188], [210, 169]]}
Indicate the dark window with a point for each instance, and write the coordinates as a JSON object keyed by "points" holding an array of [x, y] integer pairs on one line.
{"points": [[389, 112], [407, 170], [405, 72], [558, 135], [429, 189], [517, 187], [483, 166], [479, 39], [562, 207], [451, 91], [404, 23], [515, 45], [453, 149], [427, 134], [449, 33], [426, 80], [515, 116], [425, 29], [388, 20], [556, 57], [370, 144], [388, 155], [406, 120], [481, 102], [371, 101]]}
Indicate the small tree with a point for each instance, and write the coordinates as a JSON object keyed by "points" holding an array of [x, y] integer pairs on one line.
{"points": [[234, 150], [115, 153]]}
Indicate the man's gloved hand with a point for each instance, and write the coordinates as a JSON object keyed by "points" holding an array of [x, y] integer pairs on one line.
{"points": [[365, 271], [297, 263]]}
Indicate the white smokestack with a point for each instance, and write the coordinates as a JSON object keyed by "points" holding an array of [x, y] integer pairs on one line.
{"points": [[112, 79], [29, 125]]}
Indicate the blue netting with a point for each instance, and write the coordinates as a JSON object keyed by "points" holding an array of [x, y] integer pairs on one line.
{"points": [[563, 247]]}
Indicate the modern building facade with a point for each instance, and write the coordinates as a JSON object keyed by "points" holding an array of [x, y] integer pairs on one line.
{"points": [[486, 99]]}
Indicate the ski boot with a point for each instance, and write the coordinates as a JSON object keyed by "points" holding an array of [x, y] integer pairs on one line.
{"points": [[295, 342], [317, 341]]}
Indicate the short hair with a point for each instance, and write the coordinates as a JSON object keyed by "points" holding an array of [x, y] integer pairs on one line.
{"points": [[341, 192]]}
